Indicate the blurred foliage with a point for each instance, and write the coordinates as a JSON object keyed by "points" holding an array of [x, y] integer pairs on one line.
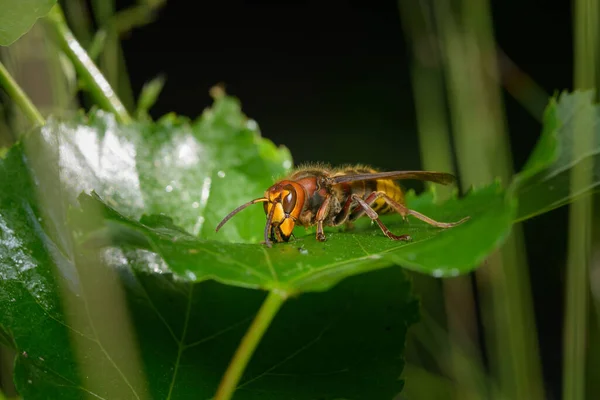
{"points": [[18, 16], [148, 96]]}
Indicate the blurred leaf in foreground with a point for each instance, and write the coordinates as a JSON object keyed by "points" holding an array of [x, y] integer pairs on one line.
{"points": [[18, 16]]}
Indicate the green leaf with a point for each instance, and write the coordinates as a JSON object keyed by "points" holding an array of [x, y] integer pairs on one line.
{"points": [[18, 16], [544, 184], [186, 332], [196, 173], [308, 265], [189, 171]]}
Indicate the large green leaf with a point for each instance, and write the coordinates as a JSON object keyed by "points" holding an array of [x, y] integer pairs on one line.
{"points": [[18, 16], [196, 173], [188, 171], [309, 265], [186, 331], [545, 182]]}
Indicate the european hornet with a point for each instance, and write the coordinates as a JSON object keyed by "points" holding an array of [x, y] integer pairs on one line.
{"points": [[324, 196]]}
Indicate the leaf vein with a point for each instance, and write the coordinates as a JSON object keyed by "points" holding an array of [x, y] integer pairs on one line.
{"points": [[106, 354], [153, 307], [270, 264], [181, 341], [53, 317], [288, 358], [216, 334]]}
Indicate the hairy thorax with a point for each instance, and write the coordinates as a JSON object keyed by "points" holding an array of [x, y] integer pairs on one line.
{"points": [[318, 187]]}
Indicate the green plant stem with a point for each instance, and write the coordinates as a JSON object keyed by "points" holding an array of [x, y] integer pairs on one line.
{"points": [[581, 211], [436, 155], [434, 138], [95, 81], [79, 19], [112, 60], [18, 95], [577, 300], [483, 155], [109, 58], [244, 352]]}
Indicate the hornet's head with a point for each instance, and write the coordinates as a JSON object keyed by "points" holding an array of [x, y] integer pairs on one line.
{"points": [[283, 203]]}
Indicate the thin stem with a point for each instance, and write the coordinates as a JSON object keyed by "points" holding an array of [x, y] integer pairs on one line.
{"points": [[577, 300], [581, 211], [95, 81], [246, 348], [109, 59], [18, 95], [436, 155], [112, 61], [80, 20], [483, 154]]}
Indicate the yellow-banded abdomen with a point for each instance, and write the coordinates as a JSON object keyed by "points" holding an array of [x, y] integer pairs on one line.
{"points": [[393, 190], [365, 188]]}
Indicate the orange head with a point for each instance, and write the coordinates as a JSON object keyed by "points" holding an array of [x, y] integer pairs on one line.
{"points": [[283, 204]]}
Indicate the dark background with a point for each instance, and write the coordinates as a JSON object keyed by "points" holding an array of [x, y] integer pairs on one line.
{"points": [[330, 80]]}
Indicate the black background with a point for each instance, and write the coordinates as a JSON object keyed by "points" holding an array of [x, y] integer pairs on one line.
{"points": [[330, 80]]}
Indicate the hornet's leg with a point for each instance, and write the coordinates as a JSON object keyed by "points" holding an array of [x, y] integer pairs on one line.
{"points": [[405, 211], [320, 217], [373, 215], [342, 217], [360, 211]]}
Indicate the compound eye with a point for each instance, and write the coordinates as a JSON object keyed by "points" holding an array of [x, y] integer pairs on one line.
{"points": [[289, 201]]}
